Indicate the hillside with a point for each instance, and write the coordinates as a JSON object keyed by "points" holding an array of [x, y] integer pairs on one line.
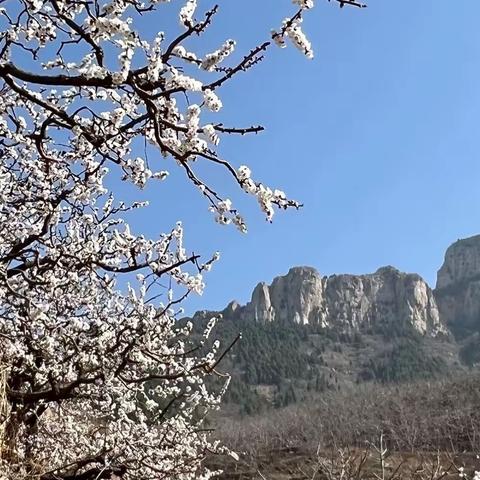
{"points": [[306, 334]]}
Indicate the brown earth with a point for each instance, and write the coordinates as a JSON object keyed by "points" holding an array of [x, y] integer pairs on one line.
{"points": [[348, 464]]}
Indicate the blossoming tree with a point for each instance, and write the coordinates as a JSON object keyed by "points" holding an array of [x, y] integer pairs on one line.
{"points": [[99, 380]]}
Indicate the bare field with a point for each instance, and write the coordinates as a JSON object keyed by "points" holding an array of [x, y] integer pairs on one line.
{"points": [[350, 464]]}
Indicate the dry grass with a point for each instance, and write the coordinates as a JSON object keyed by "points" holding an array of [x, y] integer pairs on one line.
{"points": [[349, 464], [341, 435]]}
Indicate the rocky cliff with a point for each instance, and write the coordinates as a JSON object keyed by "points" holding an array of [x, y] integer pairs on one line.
{"points": [[386, 298], [458, 285]]}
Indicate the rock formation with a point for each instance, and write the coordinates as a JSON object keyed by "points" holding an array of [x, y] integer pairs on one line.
{"points": [[296, 297], [458, 285], [385, 298]]}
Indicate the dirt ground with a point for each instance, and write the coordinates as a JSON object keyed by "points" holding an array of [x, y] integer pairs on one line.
{"points": [[349, 464]]}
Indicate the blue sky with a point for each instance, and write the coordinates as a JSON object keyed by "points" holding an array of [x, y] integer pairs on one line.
{"points": [[378, 136]]}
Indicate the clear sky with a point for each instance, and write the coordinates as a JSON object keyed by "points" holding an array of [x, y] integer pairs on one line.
{"points": [[379, 137]]}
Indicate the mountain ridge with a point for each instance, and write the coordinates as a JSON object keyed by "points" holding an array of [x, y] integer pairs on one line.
{"points": [[343, 301], [304, 296], [305, 332]]}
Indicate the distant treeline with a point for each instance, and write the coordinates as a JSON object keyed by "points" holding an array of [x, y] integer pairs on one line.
{"points": [[296, 361]]}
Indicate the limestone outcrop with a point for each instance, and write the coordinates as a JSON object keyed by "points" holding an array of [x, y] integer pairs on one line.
{"points": [[458, 285], [386, 298]]}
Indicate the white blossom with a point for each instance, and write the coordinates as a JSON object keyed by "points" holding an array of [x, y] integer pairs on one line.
{"points": [[304, 4], [211, 60], [299, 39], [187, 12]]}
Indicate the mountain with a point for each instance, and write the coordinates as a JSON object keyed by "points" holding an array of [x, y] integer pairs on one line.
{"points": [[458, 296], [458, 286], [305, 332], [346, 303]]}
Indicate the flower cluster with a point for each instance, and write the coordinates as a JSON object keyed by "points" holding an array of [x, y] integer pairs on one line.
{"points": [[155, 64], [304, 4], [212, 101], [295, 33], [291, 27], [211, 60], [187, 12]]}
